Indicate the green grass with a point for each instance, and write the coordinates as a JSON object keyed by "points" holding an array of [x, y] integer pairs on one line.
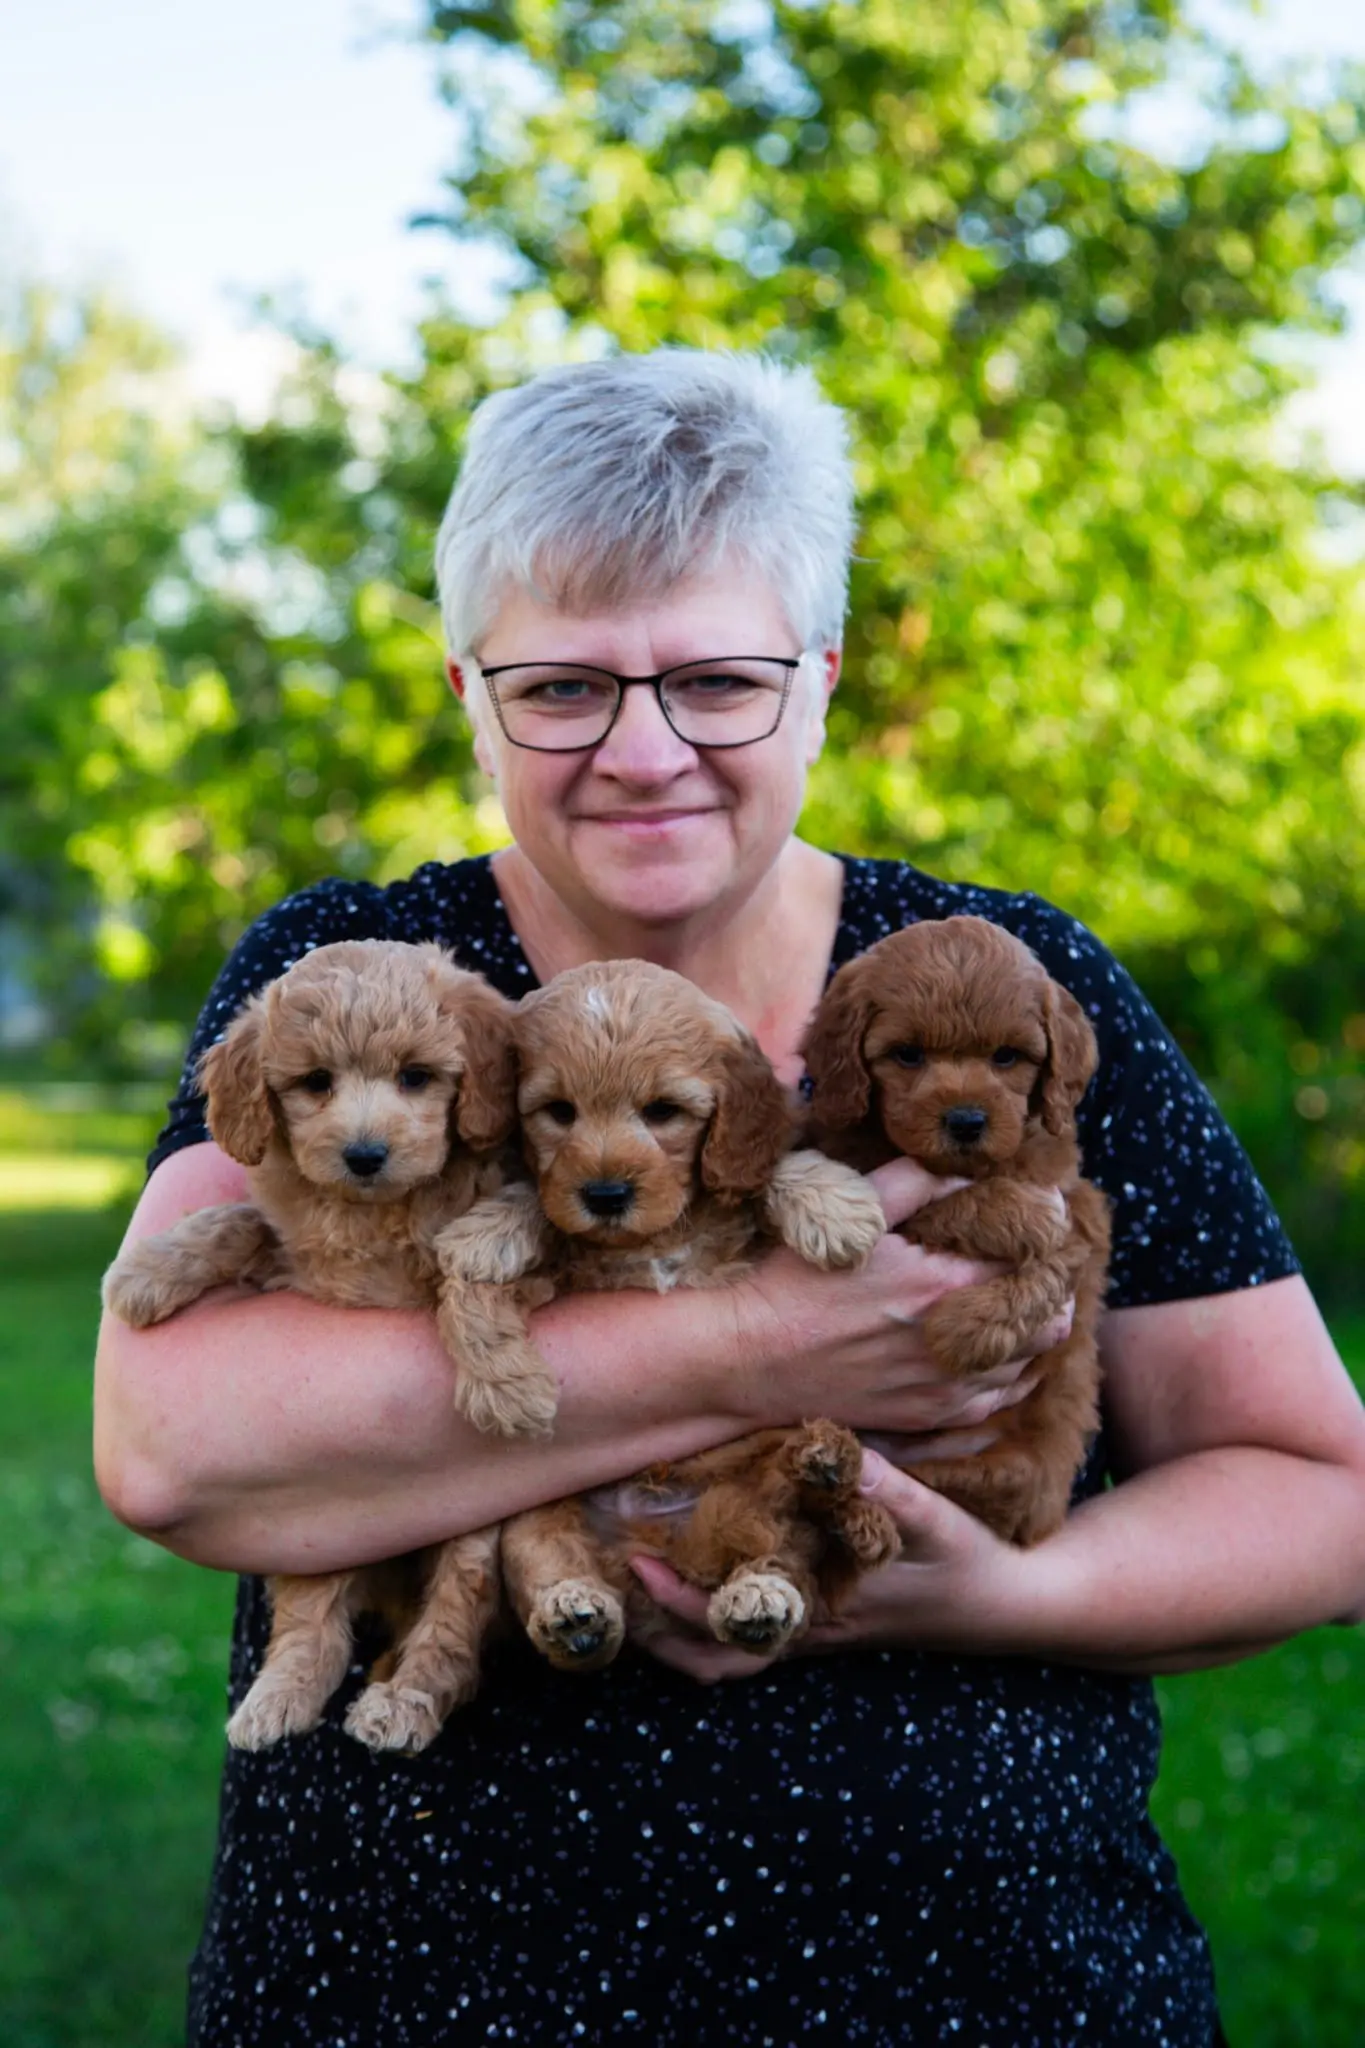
{"points": [[112, 1659], [1260, 1799]]}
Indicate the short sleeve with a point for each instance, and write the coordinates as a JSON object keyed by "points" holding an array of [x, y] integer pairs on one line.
{"points": [[1190, 1215], [317, 916]]}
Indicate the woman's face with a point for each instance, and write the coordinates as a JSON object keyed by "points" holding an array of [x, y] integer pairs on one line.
{"points": [[646, 827]]}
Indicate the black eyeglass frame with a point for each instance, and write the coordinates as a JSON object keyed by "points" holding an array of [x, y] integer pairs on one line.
{"points": [[790, 662]]}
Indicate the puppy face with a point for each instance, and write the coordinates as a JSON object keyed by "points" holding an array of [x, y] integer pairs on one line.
{"points": [[368, 1060], [636, 1090], [956, 1037]]}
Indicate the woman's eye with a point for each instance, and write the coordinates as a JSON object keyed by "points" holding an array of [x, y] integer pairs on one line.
{"points": [[319, 1082], [560, 1112], [413, 1079], [660, 1111], [908, 1055], [1004, 1056]]}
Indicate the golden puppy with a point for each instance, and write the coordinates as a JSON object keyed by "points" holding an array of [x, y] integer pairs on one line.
{"points": [[660, 1141], [950, 1043], [367, 1091]]}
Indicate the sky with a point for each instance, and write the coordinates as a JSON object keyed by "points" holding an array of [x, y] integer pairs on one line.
{"points": [[195, 155]]}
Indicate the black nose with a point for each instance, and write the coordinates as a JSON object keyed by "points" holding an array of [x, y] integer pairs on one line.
{"points": [[607, 1197], [964, 1126], [365, 1160]]}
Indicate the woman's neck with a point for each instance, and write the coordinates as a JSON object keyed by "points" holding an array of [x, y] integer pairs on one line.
{"points": [[765, 958]]}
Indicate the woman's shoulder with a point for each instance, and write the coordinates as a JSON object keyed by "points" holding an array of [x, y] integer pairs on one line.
{"points": [[882, 896], [453, 903]]}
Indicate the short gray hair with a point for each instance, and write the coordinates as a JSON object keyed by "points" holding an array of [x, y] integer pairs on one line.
{"points": [[599, 484]]}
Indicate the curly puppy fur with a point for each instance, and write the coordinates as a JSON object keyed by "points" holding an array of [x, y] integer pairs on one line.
{"points": [[950, 1043], [367, 1092], [660, 1141]]}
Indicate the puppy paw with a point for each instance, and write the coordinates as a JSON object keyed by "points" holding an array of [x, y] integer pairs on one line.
{"points": [[393, 1717], [273, 1709], [135, 1290], [826, 1213], [757, 1611], [827, 1458], [520, 1400], [577, 1625], [963, 1340], [868, 1531]]}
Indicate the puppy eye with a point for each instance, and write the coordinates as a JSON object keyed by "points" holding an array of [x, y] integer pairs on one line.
{"points": [[1004, 1056], [560, 1112], [413, 1079], [660, 1111], [319, 1082], [908, 1055]]}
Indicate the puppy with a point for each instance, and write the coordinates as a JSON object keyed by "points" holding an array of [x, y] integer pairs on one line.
{"points": [[660, 1140], [949, 1042], [367, 1091]]}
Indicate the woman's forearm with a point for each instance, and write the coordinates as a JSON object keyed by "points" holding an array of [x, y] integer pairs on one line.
{"points": [[276, 1434], [1210, 1557]]}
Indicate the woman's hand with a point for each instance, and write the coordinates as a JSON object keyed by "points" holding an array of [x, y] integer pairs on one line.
{"points": [[849, 1345], [954, 1587]]}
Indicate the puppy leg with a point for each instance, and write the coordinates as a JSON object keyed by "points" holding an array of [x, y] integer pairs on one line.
{"points": [[568, 1596], [436, 1666], [305, 1660], [826, 1213], [976, 1328], [503, 1385], [487, 1287], [152, 1279], [826, 1462]]}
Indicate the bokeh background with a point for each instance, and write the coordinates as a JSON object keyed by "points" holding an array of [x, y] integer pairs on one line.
{"points": [[1083, 276]]}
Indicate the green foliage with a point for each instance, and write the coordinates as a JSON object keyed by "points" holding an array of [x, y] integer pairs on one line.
{"points": [[1097, 647]]}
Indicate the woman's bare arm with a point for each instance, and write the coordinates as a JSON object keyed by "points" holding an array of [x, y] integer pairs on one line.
{"points": [[274, 1433]]}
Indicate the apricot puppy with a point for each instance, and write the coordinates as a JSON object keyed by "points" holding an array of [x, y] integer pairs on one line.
{"points": [[949, 1042], [660, 1144], [367, 1091]]}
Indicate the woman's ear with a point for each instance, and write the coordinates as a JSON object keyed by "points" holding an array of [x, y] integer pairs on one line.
{"points": [[841, 1085], [240, 1116], [471, 693], [751, 1126], [830, 660], [484, 1112], [1072, 1056]]}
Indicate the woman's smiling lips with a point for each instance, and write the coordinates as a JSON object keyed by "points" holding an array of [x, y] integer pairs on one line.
{"points": [[648, 824]]}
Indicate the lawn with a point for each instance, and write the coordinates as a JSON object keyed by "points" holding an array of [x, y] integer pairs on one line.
{"points": [[111, 1704]]}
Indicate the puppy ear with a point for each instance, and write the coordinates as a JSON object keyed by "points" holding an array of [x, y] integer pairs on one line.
{"points": [[833, 1047], [240, 1116], [484, 1112], [751, 1127], [1072, 1056]]}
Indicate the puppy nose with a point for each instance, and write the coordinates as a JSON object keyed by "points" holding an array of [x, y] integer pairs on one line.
{"points": [[365, 1160], [965, 1126], [607, 1197]]}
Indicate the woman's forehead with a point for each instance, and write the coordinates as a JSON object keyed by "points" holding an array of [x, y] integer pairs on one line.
{"points": [[730, 610]]}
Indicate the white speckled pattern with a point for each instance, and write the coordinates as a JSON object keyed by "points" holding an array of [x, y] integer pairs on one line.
{"points": [[884, 1847]]}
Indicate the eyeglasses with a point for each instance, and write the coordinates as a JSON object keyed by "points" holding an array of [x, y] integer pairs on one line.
{"points": [[565, 707]]}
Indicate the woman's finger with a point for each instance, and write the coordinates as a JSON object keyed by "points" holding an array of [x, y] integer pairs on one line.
{"points": [[673, 1595], [903, 1187]]}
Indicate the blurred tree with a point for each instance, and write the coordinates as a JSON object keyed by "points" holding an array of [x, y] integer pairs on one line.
{"points": [[1097, 647]]}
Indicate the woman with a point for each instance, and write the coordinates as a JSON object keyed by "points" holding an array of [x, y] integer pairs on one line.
{"points": [[940, 1827]]}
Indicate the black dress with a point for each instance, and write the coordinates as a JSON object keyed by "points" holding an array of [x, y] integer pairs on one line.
{"points": [[882, 1846]]}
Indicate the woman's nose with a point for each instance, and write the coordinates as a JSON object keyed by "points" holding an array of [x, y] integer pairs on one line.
{"points": [[642, 743]]}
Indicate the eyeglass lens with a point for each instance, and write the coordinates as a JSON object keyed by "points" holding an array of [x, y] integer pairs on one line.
{"points": [[562, 706]]}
